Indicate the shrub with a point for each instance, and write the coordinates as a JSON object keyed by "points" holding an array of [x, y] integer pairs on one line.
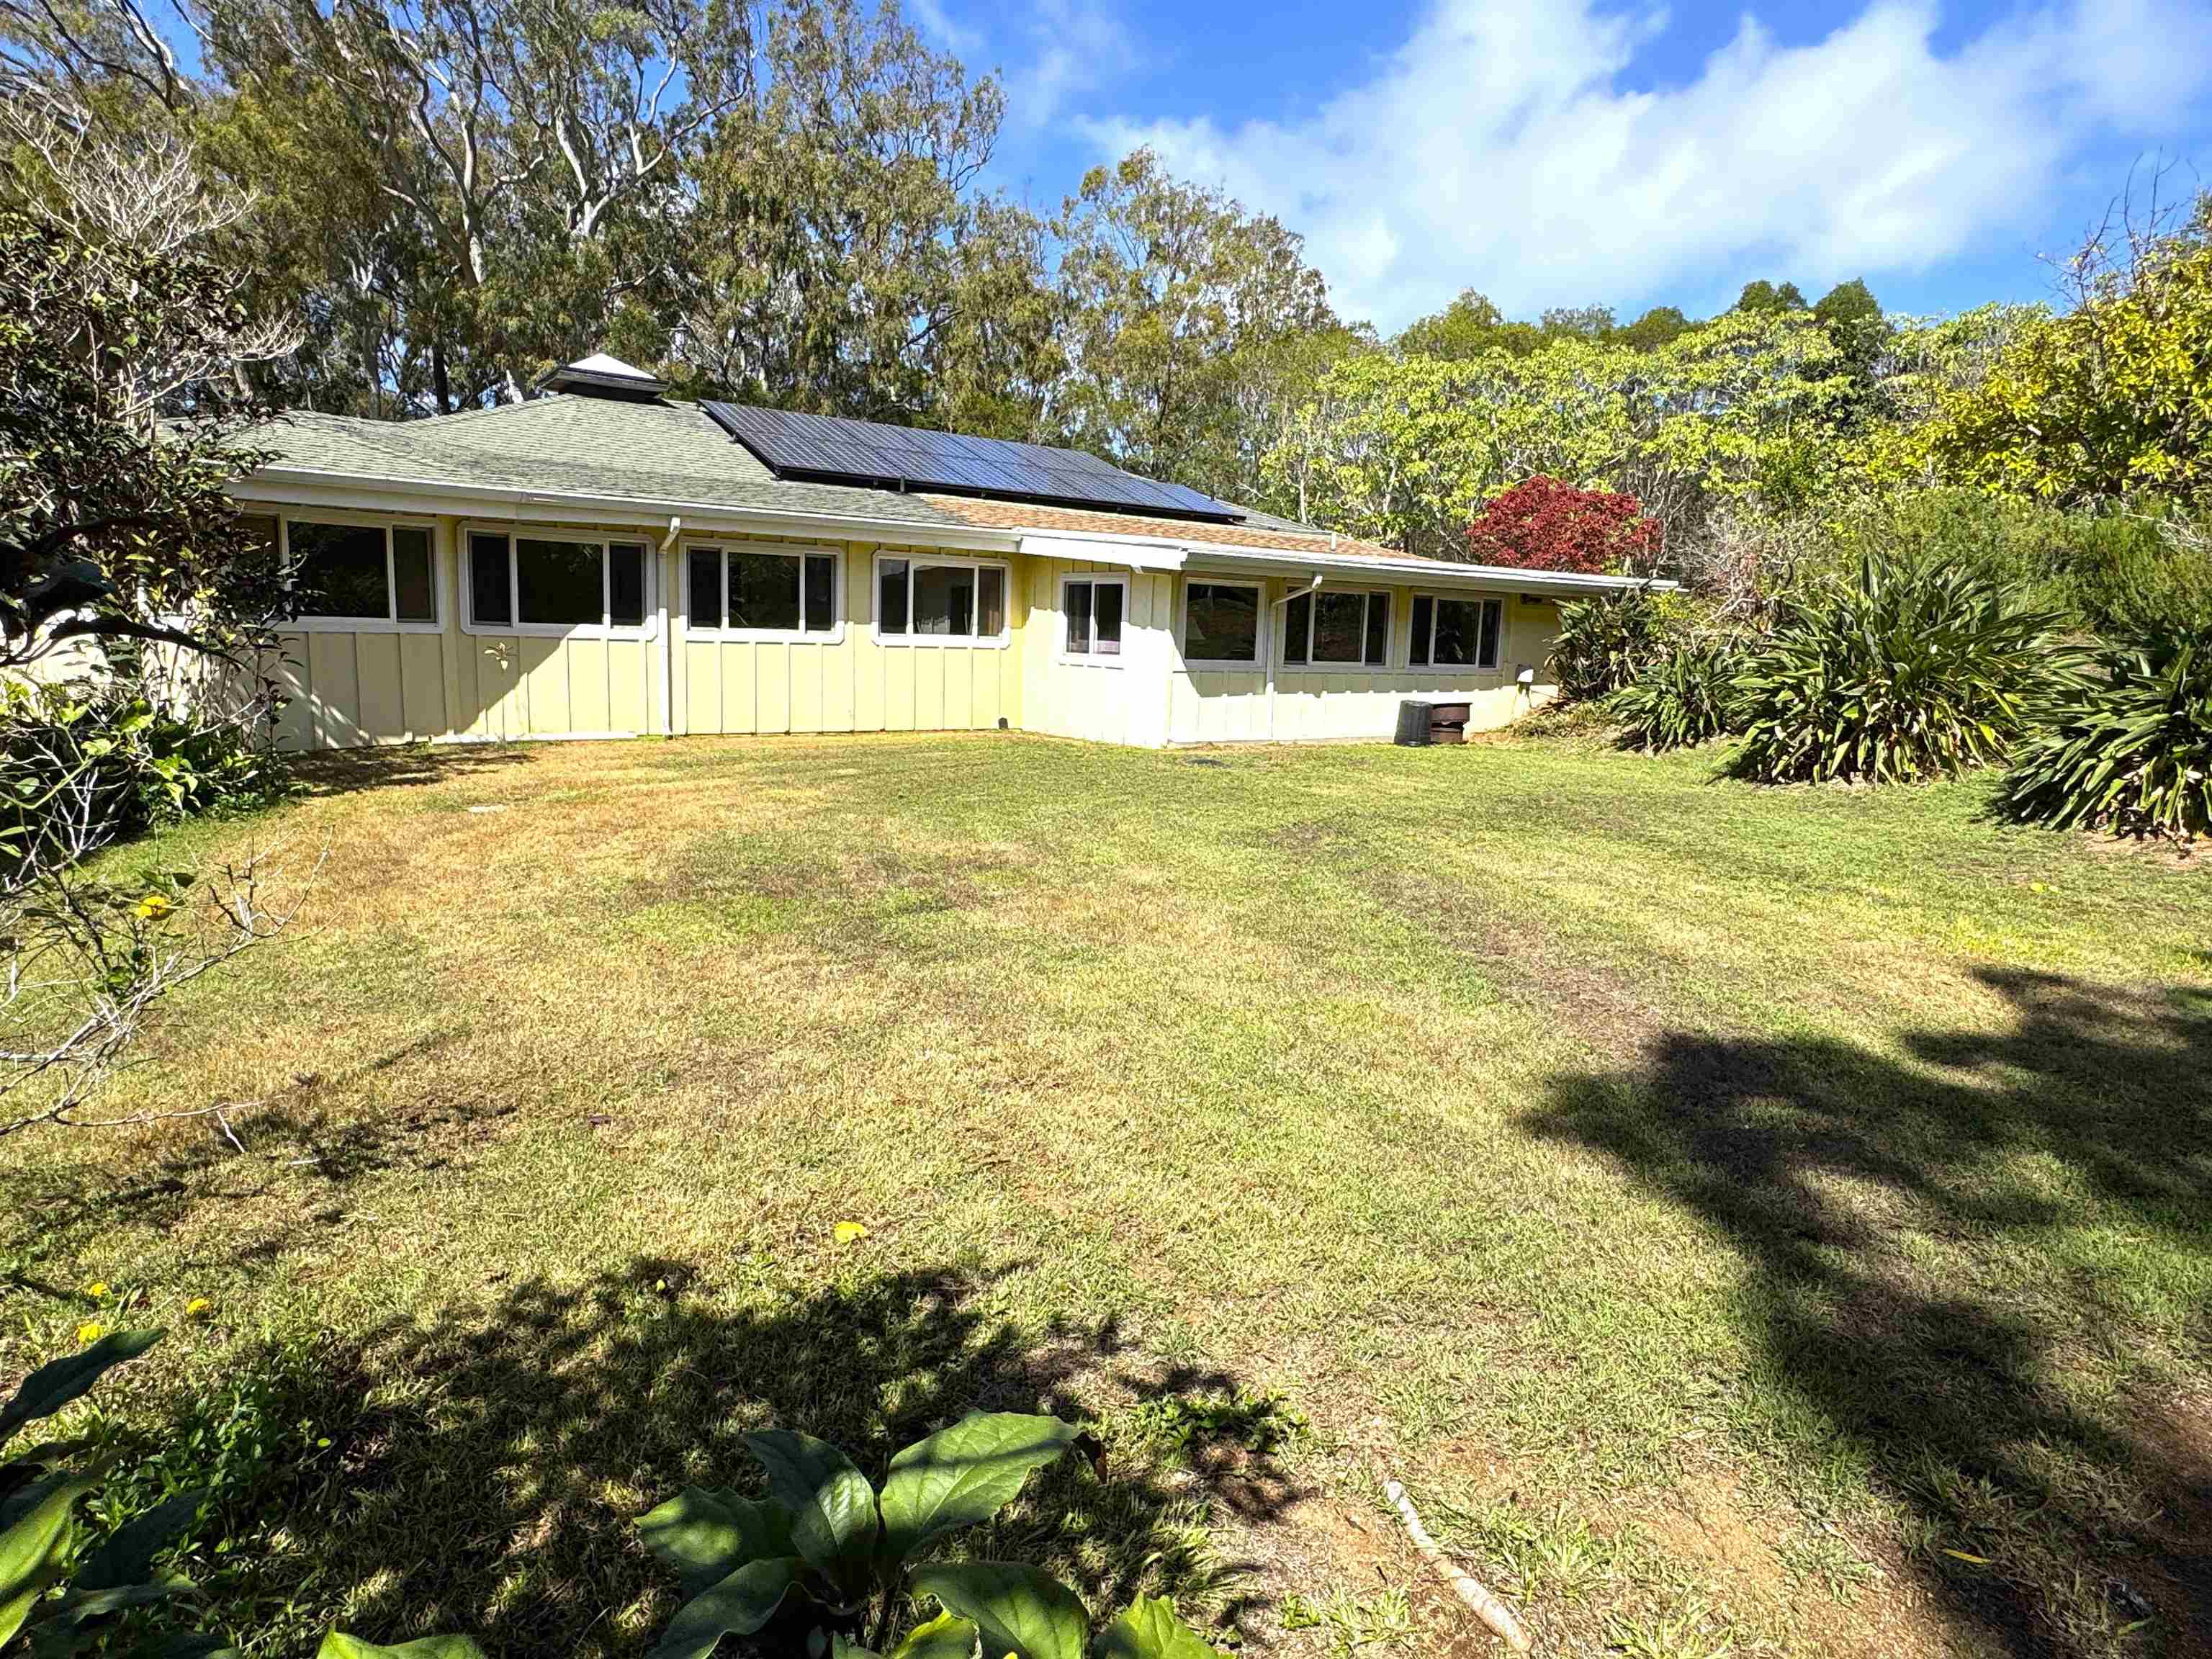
{"points": [[81, 766], [1543, 524], [1687, 697], [1604, 643], [2134, 752], [1907, 671]]}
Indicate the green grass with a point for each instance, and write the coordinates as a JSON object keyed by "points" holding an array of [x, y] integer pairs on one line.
{"points": [[1747, 1220]]}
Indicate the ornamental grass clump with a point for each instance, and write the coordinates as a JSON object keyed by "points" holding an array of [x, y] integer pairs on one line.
{"points": [[1905, 671], [2133, 753]]}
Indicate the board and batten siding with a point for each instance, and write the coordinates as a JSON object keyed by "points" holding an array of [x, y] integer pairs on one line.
{"points": [[351, 685], [848, 682], [1118, 700], [1233, 705]]}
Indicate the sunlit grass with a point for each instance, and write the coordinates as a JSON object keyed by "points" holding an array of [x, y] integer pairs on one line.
{"points": [[1552, 1128]]}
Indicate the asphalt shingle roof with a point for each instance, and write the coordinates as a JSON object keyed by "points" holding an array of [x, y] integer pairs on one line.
{"points": [[650, 452], [674, 452]]}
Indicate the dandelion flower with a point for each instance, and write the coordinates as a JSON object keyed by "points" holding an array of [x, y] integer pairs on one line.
{"points": [[154, 906], [198, 1308], [90, 1332], [97, 1289], [848, 1232]]}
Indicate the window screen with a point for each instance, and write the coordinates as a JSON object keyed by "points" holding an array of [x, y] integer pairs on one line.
{"points": [[944, 600], [1467, 633], [1297, 625], [704, 573], [1078, 618], [414, 589], [763, 591], [1340, 626], [559, 583], [891, 587], [338, 570], [818, 604], [990, 601], [490, 601], [1425, 617], [1221, 622], [1094, 617], [626, 585]]}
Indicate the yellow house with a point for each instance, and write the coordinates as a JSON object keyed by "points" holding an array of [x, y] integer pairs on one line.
{"points": [[603, 562]]}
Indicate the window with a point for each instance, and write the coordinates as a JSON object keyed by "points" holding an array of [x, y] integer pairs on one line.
{"points": [[1457, 633], [749, 590], [940, 601], [1330, 627], [1094, 606], [554, 583], [1221, 622], [360, 572]]}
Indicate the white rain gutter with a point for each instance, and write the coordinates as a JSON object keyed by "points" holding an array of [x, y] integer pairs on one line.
{"points": [[669, 577]]}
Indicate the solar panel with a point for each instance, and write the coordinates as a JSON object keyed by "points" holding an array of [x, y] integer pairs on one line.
{"points": [[829, 449]]}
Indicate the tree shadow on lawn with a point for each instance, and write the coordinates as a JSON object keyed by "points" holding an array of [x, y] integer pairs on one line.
{"points": [[1896, 1219], [348, 771], [485, 1476]]}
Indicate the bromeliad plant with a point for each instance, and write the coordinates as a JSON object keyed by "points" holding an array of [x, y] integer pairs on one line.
{"points": [[823, 1536]]}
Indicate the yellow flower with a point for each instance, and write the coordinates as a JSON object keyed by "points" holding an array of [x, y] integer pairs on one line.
{"points": [[90, 1332], [98, 1288], [848, 1232], [154, 906], [198, 1308]]}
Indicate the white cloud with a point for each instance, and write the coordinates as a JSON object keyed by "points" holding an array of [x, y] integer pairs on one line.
{"points": [[1497, 148], [1071, 47]]}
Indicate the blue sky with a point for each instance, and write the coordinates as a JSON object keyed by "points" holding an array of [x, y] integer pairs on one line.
{"points": [[1563, 152]]}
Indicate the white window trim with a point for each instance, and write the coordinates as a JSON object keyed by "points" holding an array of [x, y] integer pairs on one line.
{"points": [[389, 623], [1313, 618], [800, 551], [1497, 599], [914, 561], [601, 629], [1094, 659], [1260, 632]]}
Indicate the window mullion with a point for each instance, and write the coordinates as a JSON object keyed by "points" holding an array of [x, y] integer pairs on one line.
{"points": [[391, 581], [606, 588], [514, 586]]}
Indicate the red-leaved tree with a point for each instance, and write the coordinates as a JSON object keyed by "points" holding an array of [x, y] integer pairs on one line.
{"points": [[1543, 524]]}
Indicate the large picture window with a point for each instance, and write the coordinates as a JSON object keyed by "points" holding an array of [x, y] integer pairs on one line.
{"points": [[1457, 633], [554, 583], [1094, 607], [1337, 628], [940, 601], [758, 591], [362, 572], [1221, 622]]}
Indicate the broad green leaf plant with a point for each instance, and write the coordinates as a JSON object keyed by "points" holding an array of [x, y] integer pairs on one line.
{"points": [[60, 1600], [826, 1542]]}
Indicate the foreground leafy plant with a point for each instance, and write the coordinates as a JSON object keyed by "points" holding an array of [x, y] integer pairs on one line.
{"points": [[2134, 752], [1908, 670], [1603, 644], [824, 1536], [1687, 697], [40, 1528]]}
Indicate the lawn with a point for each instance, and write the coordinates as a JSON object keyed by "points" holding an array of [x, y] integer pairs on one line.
{"points": [[1780, 1218]]}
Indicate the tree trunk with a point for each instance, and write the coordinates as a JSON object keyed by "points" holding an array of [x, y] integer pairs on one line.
{"points": [[441, 387]]}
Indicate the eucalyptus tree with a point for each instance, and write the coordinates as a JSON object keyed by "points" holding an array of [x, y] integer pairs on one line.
{"points": [[1176, 296]]}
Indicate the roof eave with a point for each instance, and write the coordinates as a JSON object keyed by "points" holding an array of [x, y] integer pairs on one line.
{"points": [[278, 484], [1164, 553]]}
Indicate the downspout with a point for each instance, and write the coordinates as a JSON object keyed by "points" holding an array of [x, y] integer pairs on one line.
{"points": [[1274, 655], [669, 578]]}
